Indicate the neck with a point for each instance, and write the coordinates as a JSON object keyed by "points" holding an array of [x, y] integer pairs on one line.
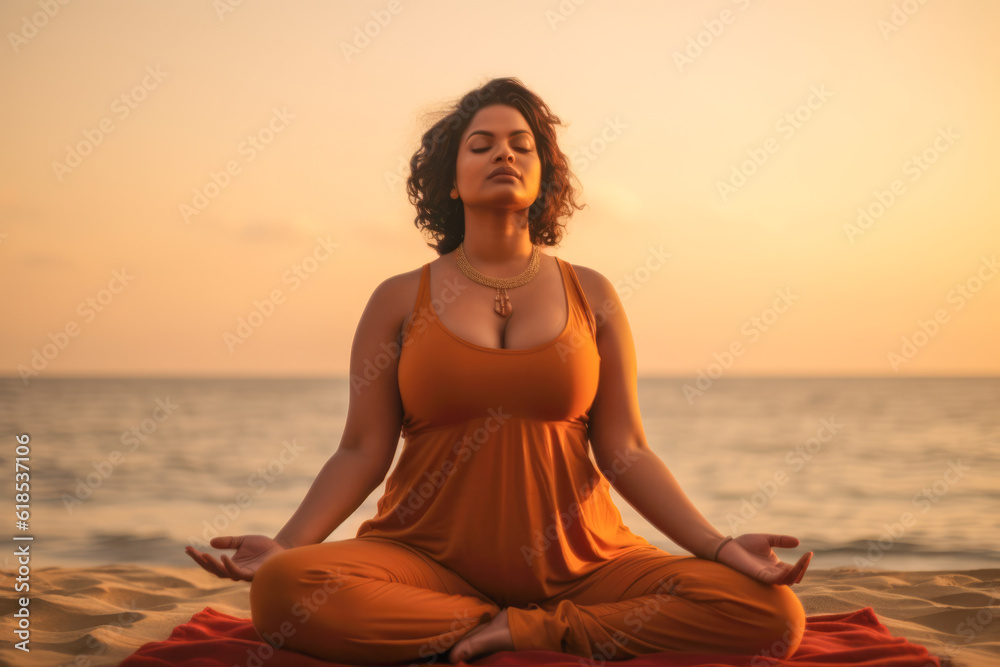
{"points": [[497, 242]]}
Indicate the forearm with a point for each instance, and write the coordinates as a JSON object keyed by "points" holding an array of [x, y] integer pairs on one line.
{"points": [[648, 485], [346, 480]]}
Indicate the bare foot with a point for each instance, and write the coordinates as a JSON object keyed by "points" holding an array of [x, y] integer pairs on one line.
{"points": [[486, 638]]}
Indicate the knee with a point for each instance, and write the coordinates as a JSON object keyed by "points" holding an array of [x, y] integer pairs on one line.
{"points": [[784, 624], [269, 589], [271, 575]]}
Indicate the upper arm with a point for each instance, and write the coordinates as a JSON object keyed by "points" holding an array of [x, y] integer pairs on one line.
{"points": [[375, 412], [614, 423]]}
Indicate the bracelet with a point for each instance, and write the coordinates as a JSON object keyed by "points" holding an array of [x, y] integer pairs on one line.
{"points": [[721, 544]]}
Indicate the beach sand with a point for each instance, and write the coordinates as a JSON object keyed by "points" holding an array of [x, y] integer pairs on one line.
{"points": [[105, 613]]}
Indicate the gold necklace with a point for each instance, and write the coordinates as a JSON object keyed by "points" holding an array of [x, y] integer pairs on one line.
{"points": [[502, 305]]}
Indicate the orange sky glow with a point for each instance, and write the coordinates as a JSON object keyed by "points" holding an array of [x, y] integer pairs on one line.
{"points": [[776, 188]]}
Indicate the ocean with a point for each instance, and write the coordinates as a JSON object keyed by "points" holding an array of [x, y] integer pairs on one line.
{"points": [[879, 474]]}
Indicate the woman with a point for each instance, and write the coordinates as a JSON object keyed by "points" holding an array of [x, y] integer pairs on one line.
{"points": [[496, 531]]}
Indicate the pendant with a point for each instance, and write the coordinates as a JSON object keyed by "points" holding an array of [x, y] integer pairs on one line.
{"points": [[502, 305]]}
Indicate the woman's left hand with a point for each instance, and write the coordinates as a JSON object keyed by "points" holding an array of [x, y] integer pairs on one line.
{"points": [[751, 554]]}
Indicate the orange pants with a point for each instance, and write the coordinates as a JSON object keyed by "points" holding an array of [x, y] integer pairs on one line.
{"points": [[372, 600]]}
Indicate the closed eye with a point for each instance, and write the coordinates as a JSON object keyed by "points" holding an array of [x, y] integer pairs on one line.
{"points": [[520, 150]]}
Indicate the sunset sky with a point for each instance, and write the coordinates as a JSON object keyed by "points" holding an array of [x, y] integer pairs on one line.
{"points": [[739, 137]]}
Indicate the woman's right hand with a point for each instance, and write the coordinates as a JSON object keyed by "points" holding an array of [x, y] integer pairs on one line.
{"points": [[251, 552]]}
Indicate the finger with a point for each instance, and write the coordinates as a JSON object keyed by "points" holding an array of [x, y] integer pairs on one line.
{"points": [[792, 573], [779, 576], [200, 559], [244, 573], [228, 566], [198, 556], [805, 566], [795, 573], [786, 575], [232, 568], [193, 554], [783, 541], [211, 565], [222, 542]]}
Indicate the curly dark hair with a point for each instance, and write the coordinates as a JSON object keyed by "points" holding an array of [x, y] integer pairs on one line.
{"points": [[432, 167]]}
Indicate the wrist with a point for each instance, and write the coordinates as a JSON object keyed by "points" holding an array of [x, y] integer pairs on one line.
{"points": [[283, 542], [718, 547]]}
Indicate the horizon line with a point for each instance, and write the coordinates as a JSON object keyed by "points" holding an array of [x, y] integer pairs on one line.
{"points": [[251, 376]]}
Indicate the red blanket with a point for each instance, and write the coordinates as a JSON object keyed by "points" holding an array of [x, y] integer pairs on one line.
{"points": [[857, 638]]}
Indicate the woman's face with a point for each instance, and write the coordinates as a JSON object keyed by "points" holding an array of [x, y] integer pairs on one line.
{"points": [[498, 135]]}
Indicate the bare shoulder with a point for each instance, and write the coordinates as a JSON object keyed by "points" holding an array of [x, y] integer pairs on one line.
{"points": [[398, 287], [397, 295], [606, 305], [596, 287]]}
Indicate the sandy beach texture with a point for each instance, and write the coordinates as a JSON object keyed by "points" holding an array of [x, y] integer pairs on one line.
{"points": [[96, 616]]}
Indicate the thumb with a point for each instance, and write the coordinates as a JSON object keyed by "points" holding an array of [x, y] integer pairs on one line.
{"points": [[221, 542], [785, 541]]}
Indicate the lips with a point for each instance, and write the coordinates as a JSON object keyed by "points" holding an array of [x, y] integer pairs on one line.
{"points": [[505, 170]]}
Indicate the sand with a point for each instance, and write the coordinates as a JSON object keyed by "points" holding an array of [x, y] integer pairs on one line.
{"points": [[95, 616]]}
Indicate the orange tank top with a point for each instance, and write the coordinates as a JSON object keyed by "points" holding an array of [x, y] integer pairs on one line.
{"points": [[495, 480]]}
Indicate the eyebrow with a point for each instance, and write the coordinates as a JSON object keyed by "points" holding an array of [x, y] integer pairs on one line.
{"points": [[491, 134]]}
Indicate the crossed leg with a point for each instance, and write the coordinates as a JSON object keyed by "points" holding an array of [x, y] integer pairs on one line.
{"points": [[371, 601], [648, 601], [363, 601]]}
